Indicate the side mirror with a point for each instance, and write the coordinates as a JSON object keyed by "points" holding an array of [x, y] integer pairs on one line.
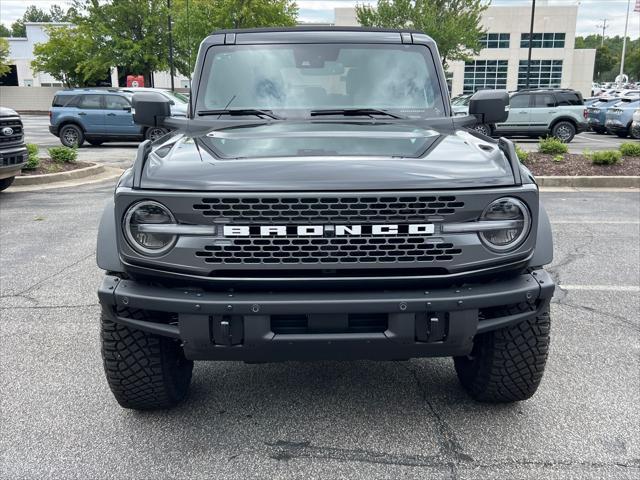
{"points": [[489, 106], [151, 109]]}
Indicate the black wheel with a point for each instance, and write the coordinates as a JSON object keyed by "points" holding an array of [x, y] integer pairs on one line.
{"points": [[6, 183], [144, 371], [506, 365], [482, 128], [71, 136], [564, 131], [153, 133], [96, 143], [635, 132]]}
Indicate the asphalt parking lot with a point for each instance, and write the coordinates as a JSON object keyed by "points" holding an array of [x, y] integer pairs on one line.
{"points": [[329, 420], [121, 154]]}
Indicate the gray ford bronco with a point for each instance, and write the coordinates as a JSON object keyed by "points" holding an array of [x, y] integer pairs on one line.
{"points": [[321, 201]]}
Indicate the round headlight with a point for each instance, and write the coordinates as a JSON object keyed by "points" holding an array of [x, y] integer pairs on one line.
{"points": [[517, 215], [148, 213]]}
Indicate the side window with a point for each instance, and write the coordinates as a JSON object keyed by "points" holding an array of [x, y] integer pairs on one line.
{"points": [[569, 98], [91, 102], [116, 102], [519, 101], [544, 100]]}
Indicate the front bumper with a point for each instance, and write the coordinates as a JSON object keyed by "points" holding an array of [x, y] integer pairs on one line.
{"points": [[12, 159], [240, 326]]}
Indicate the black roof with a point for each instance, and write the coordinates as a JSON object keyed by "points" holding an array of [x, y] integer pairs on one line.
{"points": [[314, 28]]}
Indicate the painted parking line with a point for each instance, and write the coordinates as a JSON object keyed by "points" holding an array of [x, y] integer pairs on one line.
{"points": [[602, 288], [596, 222]]}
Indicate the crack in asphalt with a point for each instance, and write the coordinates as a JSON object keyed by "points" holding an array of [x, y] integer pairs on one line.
{"points": [[47, 278], [286, 450]]}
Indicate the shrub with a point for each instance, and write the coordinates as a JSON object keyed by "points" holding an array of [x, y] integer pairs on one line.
{"points": [[33, 161], [630, 149], [605, 157], [523, 155], [552, 146], [558, 158], [63, 154]]}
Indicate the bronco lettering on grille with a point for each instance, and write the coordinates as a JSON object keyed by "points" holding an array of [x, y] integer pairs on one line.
{"points": [[327, 230]]}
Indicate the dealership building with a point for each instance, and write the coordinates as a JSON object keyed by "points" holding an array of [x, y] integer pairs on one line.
{"points": [[502, 62]]}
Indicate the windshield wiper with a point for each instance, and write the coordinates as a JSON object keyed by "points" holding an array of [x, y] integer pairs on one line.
{"points": [[355, 112], [241, 112]]}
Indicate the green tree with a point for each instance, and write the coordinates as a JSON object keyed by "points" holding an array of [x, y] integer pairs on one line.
{"points": [[65, 57], [4, 31], [4, 57], [35, 14], [130, 34], [607, 64], [605, 61], [196, 19], [453, 24]]}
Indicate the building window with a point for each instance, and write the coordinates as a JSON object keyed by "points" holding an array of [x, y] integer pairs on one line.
{"points": [[543, 40], [495, 40], [544, 74], [485, 74]]}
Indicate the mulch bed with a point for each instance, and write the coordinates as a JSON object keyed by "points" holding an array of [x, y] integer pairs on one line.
{"points": [[578, 165], [49, 166]]}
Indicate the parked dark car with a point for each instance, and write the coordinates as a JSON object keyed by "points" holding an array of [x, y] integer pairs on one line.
{"points": [[597, 112], [13, 152], [98, 116]]}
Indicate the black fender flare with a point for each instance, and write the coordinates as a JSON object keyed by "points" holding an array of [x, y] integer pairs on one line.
{"points": [[543, 254], [107, 255]]}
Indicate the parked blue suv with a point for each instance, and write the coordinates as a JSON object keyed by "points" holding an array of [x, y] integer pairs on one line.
{"points": [[96, 116]]}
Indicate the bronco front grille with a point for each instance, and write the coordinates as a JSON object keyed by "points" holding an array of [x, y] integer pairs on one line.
{"points": [[304, 210], [349, 250]]}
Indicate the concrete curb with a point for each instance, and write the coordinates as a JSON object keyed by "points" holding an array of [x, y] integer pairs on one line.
{"points": [[91, 171], [596, 181]]}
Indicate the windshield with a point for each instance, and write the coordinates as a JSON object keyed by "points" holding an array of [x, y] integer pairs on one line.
{"points": [[294, 80], [176, 96]]}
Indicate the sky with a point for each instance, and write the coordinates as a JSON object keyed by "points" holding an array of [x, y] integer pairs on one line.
{"points": [[590, 12]]}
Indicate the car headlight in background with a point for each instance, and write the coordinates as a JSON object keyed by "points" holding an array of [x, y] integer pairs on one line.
{"points": [[509, 210], [138, 228]]}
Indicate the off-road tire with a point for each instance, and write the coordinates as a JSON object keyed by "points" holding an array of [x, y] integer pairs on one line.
{"points": [[6, 183], [634, 132], [71, 135], [506, 365], [144, 371]]}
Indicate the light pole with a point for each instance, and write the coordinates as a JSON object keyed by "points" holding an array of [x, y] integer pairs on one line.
{"points": [[604, 27], [533, 12], [171, 67], [624, 45]]}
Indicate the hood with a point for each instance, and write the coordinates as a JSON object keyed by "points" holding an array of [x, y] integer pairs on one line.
{"points": [[7, 112], [323, 156]]}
